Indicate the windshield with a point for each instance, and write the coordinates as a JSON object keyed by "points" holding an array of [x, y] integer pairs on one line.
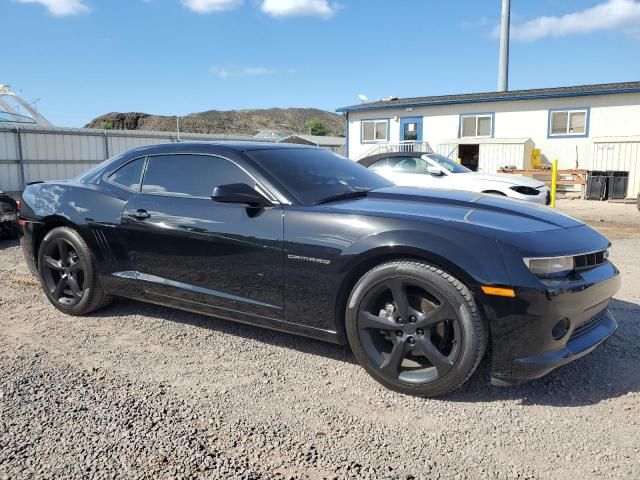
{"points": [[315, 174], [448, 164]]}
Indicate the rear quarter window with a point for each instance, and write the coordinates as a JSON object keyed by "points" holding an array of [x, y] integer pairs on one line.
{"points": [[129, 176]]}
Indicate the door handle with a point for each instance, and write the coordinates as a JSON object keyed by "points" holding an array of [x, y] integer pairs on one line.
{"points": [[139, 214]]}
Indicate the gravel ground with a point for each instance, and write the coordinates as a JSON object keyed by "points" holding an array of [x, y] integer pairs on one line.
{"points": [[143, 391]]}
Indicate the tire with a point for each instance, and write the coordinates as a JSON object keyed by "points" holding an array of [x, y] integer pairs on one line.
{"points": [[8, 229], [68, 274], [443, 321]]}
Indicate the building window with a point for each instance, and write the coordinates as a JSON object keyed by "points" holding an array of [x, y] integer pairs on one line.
{"points": [[568, 123], [476, 125], [375, 130]]}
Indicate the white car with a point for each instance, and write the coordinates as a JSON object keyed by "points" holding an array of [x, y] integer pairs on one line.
{"points": [[436, 171]]}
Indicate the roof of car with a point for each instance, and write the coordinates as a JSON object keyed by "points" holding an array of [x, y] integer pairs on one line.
{"points": [[239, 146]]}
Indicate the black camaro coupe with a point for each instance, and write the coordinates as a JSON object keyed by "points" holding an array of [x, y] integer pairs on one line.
{"points": [[299, 239]]}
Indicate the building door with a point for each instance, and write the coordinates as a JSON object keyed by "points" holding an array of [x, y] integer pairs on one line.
{"points": [[469, 156], [411, 129]]}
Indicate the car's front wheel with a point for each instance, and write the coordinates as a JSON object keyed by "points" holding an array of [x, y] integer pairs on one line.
{"points": [[68, 274], [415, 328]]}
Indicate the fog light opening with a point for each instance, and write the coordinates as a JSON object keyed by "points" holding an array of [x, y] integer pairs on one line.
{"points": [[560, 329]]}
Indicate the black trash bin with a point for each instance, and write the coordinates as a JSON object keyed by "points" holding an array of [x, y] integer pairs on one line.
{"points": [[617, 184], [596, 185]]}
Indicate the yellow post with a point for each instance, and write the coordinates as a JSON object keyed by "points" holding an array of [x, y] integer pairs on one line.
{"points": [[554, 182], [459, 160]]}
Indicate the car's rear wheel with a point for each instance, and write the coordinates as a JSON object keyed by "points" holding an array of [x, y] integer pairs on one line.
{"points": [[67, 272], [415, 328]]}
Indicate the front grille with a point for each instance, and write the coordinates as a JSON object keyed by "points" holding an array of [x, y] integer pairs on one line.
{"points": [[587, 326], [589, 260]]}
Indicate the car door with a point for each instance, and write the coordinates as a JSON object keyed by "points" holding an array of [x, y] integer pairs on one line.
{"points": [[226, 259]]}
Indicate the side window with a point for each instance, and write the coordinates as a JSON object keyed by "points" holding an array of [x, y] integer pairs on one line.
{"points": [[408, 164], [568, 122], [190, 175], [129, 176], [382, 163]]}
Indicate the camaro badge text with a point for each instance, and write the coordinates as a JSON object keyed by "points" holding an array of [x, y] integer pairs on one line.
{"points": [[309, 259]]}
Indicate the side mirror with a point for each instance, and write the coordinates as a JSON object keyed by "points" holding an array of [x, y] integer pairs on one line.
{"points": [[239, 193], [435, 171]]}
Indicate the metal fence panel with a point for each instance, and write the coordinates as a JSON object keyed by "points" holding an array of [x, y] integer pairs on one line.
{"points": [[8, 146], [622, 156], [10, 177], [63, 153]]}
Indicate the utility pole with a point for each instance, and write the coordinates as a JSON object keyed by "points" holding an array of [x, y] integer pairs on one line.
{"points": [[503, 75]]}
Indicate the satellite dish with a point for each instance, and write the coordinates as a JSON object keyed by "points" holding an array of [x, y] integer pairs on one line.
{"points": [[362, 97]]}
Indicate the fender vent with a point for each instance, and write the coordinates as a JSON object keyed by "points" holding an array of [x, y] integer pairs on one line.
{"points": [[104, 248]]}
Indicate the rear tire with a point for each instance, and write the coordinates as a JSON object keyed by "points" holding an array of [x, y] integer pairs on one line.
{"points": [[415, 328], [68, 274]]}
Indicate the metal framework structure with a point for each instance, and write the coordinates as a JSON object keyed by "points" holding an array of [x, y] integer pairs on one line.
{"points": [[11, 115]]}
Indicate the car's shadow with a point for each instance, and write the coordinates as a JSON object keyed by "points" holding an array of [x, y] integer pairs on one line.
{"points": [[611, 371], [307, 345], [8, 243]]}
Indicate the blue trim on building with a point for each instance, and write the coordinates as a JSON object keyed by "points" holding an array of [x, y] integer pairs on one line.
{"points": [[362, 120], [420, 125], [489, 99], [478, 114], [570, 109]]}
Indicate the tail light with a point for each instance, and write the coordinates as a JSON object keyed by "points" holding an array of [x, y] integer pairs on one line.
{"points": [[19, 204]]}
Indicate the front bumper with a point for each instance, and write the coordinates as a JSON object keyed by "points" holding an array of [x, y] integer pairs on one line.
{"points": [[523, 343], [599, 329]]}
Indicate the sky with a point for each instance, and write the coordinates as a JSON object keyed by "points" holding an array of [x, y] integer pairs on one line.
{"points": [[84, 58]]}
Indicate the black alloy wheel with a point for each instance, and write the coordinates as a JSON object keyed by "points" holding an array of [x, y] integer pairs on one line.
{"points": [[67, 273], [63, 272], [415, 328], [410, 334]]}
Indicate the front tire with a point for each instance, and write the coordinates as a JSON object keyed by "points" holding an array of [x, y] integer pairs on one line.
{"points": [[415, 328], [68, 273]]}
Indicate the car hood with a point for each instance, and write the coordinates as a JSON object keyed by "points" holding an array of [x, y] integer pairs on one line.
{"points": [[467, 209], [507, 178]]}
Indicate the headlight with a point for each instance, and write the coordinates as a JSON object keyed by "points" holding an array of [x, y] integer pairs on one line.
{"points": [[525, 190], [550, 267]]}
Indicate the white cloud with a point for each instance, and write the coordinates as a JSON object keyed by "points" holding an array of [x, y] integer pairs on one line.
{"points": [[61, 8], [292, 8], [612, 14], [235, 72], [209, 6]]}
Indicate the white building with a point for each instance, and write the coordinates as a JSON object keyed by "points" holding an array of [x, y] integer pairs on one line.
{"points": [[593, 127]]}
